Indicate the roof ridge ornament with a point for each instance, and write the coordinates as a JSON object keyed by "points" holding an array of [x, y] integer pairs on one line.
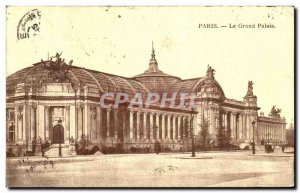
{"points": [[210, 72], [153, 65]]}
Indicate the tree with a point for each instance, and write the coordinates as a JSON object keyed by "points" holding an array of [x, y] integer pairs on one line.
{"points": [[204, 132], [223, 138], [290, 135]]}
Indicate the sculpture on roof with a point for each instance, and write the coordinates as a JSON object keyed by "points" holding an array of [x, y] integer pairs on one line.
{"points": [[210, 72], [58, 69], [275, 112], [250, 89]]}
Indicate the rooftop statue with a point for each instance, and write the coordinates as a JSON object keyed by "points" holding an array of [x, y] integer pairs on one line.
{"points": [[250, 89], [210, 72], [275, 112], [58, 69]]}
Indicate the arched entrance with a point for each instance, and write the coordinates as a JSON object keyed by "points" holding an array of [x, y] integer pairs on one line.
{"points": [[58, 134]]}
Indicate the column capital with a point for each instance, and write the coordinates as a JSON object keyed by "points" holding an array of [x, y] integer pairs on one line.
{"points": [[108, 109], [158, 113], [20, 112], [20, 108], [67, 107], [33, 106], [93, 107], [176, 115], [79, 106]]}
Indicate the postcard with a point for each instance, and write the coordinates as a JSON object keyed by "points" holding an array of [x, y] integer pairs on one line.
{"points": [[150, 96]]}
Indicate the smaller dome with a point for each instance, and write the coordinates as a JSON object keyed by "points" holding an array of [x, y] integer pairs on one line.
{"points": [[153, 70]]}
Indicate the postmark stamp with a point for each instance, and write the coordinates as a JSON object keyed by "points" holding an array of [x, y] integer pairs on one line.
{"points": [[29, 25]]}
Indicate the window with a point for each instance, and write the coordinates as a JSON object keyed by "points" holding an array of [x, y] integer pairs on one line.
{"points": [[11, 115], [12, 133]]}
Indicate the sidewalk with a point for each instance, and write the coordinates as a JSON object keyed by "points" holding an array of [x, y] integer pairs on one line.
{"points": [[53, 159], [274, 154]]}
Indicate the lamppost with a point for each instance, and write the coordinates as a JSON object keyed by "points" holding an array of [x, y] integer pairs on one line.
{"points": [[192, 134], [253, 143]]}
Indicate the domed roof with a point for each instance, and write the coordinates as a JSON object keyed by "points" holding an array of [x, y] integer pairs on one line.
{"points": [[42, 72], [155, 79], [152, 80]]}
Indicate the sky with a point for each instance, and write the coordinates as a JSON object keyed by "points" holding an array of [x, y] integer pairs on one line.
{"points": [[117, 40]]}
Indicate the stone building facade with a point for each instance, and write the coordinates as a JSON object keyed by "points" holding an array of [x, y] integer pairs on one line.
{"points": [[48, 91]]}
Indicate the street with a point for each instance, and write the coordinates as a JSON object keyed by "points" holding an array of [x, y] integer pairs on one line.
{"points": [[208, 169]]}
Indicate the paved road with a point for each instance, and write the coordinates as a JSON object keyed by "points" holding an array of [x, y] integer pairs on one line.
{"points": [[212, 169]]}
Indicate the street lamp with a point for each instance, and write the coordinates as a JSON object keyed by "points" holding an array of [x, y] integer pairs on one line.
{"points": [[253, 143]]}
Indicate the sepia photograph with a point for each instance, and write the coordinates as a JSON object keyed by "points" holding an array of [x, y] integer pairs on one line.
{"points": [[150, 96]]}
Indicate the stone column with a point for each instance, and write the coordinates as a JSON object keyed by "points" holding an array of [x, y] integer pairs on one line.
{"points": [[212, 124], [79, 122], [20, 122], [244, 127], [138, 125], [247, 127], [189, 126], [225, 121], [264, 131], [174, 128], [125, 135], [99, 123], [151, 125], [67, 123], [169, 126], [163, 126], [26, 123], [116, 123], [108, 128], [32, 122], [157, 126], [241, 126], [131, 125], [282, 131], [16, 134], [179, 127], [85, 119], [46, 120], [73, 121], [233, 131], [145, 128], [279, 131]]}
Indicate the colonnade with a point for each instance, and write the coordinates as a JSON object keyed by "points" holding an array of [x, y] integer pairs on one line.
{"points": [[239, 124], [272, 132]]}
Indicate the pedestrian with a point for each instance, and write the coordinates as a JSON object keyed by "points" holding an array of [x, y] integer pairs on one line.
{"points": [[19, 150]]}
